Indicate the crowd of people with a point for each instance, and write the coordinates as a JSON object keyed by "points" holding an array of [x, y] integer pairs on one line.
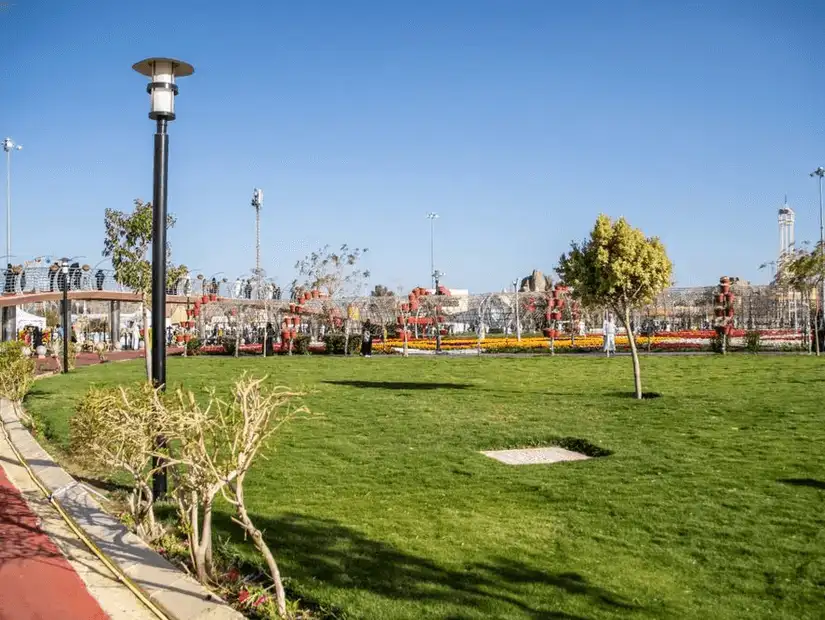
{"points": [[19, 279]]}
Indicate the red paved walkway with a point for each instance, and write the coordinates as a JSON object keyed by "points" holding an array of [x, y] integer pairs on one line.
{"points": [[36, 580], [88, 359]]}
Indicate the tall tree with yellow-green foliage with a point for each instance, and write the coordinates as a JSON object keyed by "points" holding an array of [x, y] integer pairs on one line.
{"points": [[619, 268]]}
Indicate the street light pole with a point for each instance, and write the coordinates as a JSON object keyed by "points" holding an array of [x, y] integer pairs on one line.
{"points": [[820, 172], [437, 275], [432, 217], [518, 321], [162, 92], [67, 319], [9, 146]]}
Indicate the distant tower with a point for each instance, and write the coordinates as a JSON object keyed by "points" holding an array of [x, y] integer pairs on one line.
{"points": [[787, 217], [257, 203]]}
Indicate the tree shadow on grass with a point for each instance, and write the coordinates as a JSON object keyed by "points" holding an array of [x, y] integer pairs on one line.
{"points": [[401, 385], [804, 482], [324, 551]]}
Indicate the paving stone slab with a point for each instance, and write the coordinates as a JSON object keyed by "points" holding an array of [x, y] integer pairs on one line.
{"points": [[535, 456]]}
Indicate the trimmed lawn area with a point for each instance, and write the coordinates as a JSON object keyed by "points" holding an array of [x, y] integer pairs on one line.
{"points": [[712, 504]]}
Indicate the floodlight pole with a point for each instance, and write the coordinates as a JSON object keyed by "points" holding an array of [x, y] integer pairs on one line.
{"points": [[518, 321]]}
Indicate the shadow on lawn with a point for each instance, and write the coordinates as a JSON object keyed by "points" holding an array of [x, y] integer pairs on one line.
{"points": [[321, 550], [401, 385], [804, 482]]}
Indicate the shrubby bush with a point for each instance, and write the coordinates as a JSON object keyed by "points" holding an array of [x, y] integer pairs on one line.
{"points": [[16, 375], [228, 344], [300, 344], [335, 343], [118, 428], [207, 449], [193, 347], [753, 341], [720, 343]]}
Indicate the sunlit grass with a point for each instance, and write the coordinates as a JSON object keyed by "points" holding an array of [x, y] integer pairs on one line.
{"points": [[711, 505]]}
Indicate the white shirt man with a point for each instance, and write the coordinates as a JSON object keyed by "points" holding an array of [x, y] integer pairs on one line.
{"points": [[609, 330]]}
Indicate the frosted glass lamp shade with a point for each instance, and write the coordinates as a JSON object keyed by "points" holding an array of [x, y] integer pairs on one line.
{"points": [[162, 88]]}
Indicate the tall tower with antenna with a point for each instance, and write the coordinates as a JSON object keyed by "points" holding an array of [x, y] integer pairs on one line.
{"points": [[257, 203], [787, 219]]}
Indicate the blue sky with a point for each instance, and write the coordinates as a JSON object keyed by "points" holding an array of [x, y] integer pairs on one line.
{"points": [[517, 121]]}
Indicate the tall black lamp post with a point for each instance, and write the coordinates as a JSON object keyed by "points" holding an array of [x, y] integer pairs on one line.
{"points": [[67, 315], [437, 275], [162, 92]]}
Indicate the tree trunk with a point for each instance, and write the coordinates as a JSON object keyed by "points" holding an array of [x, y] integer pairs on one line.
{"points": [[816, 330], [238, 334], [203, 564], [634, 353], [260, 544], [144, 311], [193, 532], [346, 335]]}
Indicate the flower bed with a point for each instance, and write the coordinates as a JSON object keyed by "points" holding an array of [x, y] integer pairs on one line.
{"points": [[694, 340]]}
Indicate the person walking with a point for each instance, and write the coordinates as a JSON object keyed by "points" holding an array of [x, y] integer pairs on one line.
{"points": [[366, 340], [609, 330]]}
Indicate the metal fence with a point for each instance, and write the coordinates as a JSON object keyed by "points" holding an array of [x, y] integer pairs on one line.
{"points": [[677, 309]]}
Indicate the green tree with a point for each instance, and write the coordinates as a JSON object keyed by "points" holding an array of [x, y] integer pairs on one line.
{"points": [[619, 268], [803, 272], [381, 291], [128, 242]]}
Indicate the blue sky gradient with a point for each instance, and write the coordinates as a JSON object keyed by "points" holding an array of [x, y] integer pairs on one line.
{"points": [[517, 121]]}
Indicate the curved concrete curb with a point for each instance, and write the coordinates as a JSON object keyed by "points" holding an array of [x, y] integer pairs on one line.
{"points": [[178, 595]]}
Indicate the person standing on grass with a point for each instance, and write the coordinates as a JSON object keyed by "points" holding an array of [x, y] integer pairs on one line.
{"points": [[366, 340], [609, 330]]}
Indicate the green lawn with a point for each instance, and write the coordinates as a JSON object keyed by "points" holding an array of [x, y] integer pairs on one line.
{"points": [[712, 504]]}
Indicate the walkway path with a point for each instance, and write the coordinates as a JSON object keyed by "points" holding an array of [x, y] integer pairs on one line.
{"points": [[36, 581], [45, 571]]}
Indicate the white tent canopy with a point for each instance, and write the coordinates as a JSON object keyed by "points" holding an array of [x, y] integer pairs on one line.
{"points": [[26, 319]]}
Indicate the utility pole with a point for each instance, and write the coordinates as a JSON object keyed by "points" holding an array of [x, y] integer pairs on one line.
{"points": [[432, 217], [518, 321], [820, 172], [437, 275], [9, 146], [257, 203]]}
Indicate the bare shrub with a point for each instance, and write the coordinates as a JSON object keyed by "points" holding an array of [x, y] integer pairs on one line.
{"points": [[118, 428], [217, 445]]}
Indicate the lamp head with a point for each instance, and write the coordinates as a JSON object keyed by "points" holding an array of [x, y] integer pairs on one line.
{"points": [[162, 88]]}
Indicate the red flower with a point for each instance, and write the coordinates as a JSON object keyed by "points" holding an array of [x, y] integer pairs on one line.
{"points": [[243, 595], [260, 600], [233, 574]]}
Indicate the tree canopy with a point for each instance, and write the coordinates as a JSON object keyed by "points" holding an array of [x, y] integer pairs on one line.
{"points": [[334, 272], [618, 268], [128, 241]]}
